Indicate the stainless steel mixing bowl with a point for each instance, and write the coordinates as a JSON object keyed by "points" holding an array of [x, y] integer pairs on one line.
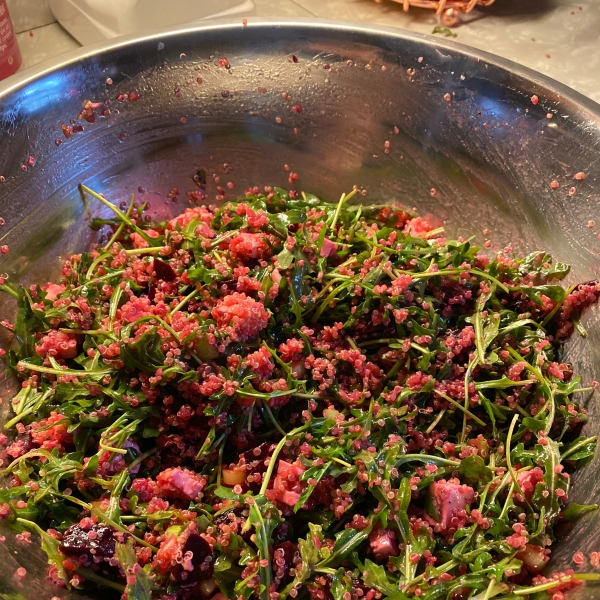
{"points": [[466, 143]]}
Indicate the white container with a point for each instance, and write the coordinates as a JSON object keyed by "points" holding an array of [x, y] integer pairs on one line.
{"points": [[90, 21]]}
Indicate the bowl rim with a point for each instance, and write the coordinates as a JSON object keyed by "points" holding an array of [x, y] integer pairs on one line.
{"points": [[534, 78]]}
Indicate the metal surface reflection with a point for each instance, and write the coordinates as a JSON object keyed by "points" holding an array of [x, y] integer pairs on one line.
{"points": [[458, 121]]}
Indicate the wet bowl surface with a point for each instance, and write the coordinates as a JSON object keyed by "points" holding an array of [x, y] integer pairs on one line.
{"points": [[466, 144]]}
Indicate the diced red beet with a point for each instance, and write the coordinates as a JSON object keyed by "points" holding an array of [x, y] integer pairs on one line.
{"points": [[287, 486], [285, 469], [383, 543], [197, 560], [527, 481], [254, 462], [151, 292], [328, 248], [284, 558], [163, 270], [53, 290], [181, 483], [77, 541], [450, 499]]}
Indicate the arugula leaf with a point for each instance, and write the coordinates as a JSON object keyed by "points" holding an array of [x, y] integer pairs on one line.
{"points": [[264, 517], [375, 576], [316, 473], [438, 29], [556, 293], [581, 450], [145, 354], [141, 589], [499, 384], [285, 259], [545, 493], [575, 511], [486, 329], [340, 584], [346, 542], [29, 401], [29, 321], [310, 555], [473, 468], [201, 274], [50, 546], [541, 263]]}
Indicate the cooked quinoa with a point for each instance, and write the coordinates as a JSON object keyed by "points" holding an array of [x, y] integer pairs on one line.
{"points": [[284, 397]]}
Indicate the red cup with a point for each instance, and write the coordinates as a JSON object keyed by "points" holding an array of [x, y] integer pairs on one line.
{"points": [[10, 55]]}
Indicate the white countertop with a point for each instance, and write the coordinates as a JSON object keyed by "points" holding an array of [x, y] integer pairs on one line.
{"points": [[556, 37]]}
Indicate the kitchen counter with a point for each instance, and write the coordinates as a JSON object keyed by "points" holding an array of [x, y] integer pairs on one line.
{"points": [[556, 37]]}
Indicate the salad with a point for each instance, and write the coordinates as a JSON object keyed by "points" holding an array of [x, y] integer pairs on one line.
{"points": [[283, 397]]}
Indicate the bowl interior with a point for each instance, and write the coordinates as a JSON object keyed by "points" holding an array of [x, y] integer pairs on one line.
{"points": [[466, 144]]}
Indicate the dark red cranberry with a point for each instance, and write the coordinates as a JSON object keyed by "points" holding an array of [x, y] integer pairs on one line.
{"points": [[283, 560], [76, 541], [254, 461], [163, 270], [243, 440], [282, 533], [201, 561]]}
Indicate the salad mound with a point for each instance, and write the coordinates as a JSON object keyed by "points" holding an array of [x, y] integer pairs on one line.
{"points": [[286, 397]]}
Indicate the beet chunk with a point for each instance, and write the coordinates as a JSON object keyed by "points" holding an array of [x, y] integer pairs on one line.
{"points": [[282, 533], [163, 270], [254, 463], [283, 560], [196, 564], [77, 541]]}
